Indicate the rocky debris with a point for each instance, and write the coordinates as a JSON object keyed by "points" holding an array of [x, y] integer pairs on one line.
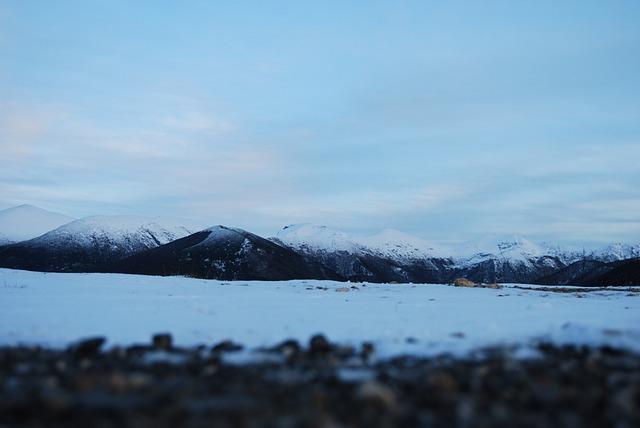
{"points": [[322, 384]]}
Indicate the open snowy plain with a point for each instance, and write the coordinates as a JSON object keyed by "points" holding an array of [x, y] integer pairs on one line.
{"points": [[55, 309]]}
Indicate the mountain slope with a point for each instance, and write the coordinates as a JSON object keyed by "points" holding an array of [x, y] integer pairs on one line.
{"points": [[395, 256], [622, 273], [91, 243], [225, 253], [26, 222], [616, 251], [388, 243], [384, 257], [589, 272], [577, 273], [504, 258]]}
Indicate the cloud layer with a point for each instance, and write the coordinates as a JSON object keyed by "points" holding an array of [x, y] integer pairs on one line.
{"points": [[447, 121]]}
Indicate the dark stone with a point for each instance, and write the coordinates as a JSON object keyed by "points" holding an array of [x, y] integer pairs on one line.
{"points": [[319, 344], [562, 386], [367, 350], [287, 347], [87, 347], [227, 346], [162, 341]]}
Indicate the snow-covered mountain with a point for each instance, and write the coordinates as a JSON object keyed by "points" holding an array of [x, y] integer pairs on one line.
{"points": [[394, 255], [617, 251], [126, 234], [382, 257], [27, 221], [513, 248], [388, 243], [221, 252], [93, 242], [505, 258], [164, 246]]}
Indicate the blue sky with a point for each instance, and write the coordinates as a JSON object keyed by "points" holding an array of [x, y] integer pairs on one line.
{"points": [[447, 120]]}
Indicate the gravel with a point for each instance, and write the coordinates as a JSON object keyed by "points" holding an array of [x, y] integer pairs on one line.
{"points": [[320, 384]]}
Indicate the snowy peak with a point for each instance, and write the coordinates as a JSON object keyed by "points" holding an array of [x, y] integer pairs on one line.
{"points": [[122, 233], [314, 237], [27, 221], [387, 243], [617, 251], [397, 244], [504, 247], [219, 234], [223, 231]]}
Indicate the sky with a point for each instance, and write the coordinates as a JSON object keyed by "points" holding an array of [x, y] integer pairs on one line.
{"points": [[445, 119]]}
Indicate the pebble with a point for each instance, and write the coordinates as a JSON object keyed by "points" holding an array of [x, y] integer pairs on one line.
{"points": [[84, 386], [162, 341]]}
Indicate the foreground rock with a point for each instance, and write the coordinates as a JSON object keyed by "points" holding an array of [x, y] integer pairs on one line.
{"points": [[320, 384]]}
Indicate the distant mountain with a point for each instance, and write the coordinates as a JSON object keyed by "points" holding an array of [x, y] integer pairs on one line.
{"points": [[615, 252], [514, 248], [91, 243], [395, 256], [575, 273], [384, 257], [509, 258], [225, 253], [626, 272], [596, 273], [389, 243], [26, 222], [305, 251]]}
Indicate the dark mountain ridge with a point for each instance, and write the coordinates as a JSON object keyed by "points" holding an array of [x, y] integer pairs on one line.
{"points": [[146, 246], [225, 253]]}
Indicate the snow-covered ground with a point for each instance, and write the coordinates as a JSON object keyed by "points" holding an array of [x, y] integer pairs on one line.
{"points": [[57, 308]]}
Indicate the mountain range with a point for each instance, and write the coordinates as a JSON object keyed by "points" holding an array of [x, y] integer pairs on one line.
{"points": [[161, 246]]}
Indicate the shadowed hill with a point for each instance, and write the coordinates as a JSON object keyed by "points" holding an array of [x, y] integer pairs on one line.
{"points": [[225, 253]]}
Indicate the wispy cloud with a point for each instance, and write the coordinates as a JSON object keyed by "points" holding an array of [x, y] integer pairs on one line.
{"points": [[128, 166], [414, 116]]}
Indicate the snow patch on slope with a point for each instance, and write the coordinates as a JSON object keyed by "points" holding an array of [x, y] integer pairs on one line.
{"points": [[221, 233]]}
